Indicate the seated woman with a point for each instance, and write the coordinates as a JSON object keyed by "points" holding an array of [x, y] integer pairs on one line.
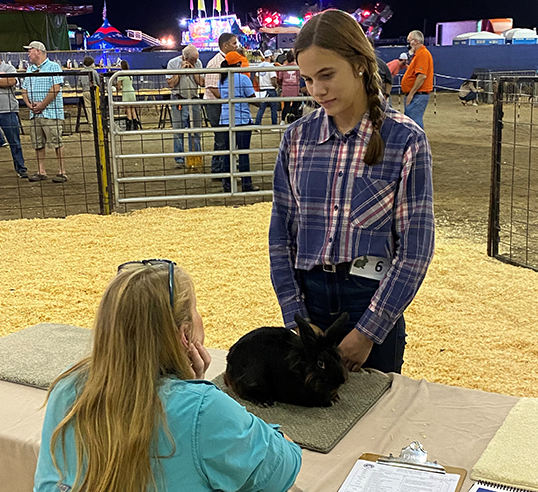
{"points": [[136, 415], [242, 88]]}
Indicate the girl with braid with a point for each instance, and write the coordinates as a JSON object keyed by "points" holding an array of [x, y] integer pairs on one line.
{"points": [[352, 227]]}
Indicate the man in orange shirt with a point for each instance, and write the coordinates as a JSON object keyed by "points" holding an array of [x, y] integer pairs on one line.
{"points": [[417, 83]]}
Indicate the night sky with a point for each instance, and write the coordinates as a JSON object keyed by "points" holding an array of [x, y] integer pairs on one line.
{"points": [[160, 17]]}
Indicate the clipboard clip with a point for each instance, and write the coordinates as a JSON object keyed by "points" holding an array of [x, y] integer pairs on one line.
{"points": [[413, 457]]}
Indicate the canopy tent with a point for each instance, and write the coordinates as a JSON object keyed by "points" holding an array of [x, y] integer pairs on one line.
{"points": [[107, 37]]}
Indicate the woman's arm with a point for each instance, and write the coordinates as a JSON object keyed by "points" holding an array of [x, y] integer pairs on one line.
{"points": [[282, 240], [238, 451]]}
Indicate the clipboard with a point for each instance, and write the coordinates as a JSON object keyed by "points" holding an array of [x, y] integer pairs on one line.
{"points": [[412, 457]]}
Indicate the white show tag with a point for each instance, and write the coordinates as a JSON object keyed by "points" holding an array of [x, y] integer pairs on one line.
{"points": [[374, 267]]}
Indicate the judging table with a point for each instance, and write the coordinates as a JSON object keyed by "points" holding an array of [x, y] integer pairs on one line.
{"points": [[454, 425]]}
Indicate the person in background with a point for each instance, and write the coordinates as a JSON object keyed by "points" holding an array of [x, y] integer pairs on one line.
{"points": [[289, 83], [43, 97], [128, 94], [395, 66], [227, 42], [9, 119], [186, 87], [268, 84], [384, 72], [417, 82], [352, 226], [88, 65], [469, 91], [136, 415], [242, 88]]}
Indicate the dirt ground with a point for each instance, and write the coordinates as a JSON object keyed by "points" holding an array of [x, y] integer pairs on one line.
{"points": [[473, 323]]}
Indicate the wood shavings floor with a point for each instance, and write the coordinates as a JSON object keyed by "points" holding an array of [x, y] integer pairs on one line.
{"points": [[474, 322]]}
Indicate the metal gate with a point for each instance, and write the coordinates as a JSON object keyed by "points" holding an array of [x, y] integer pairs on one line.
{"points": [[513, 211], [150, 167]]}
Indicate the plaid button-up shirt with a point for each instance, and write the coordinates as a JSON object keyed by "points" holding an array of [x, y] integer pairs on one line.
{"points": [[38, 88], [329, 207]]}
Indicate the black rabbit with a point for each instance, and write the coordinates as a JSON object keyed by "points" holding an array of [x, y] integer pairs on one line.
{"points": [[274, 364]]}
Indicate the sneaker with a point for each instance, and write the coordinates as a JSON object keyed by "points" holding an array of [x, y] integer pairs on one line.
{"points": [[180, 165], [23, 175], [60, 178], [475, 104], [250, 188], [5, 144], [282, 123], [38, 177]]}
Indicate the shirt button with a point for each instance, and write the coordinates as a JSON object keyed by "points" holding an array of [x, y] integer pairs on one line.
{"points": [[330, 239], [336, 207], [340, 174]]}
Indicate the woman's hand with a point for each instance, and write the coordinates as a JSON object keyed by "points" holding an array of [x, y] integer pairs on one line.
{"points": [[355, 349], [200, 359]]}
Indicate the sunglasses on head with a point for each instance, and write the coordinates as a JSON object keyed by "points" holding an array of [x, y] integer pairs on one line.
{"points": [[157, 262]]}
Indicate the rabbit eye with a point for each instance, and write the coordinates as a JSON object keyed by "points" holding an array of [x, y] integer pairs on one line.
{"points": [[321, 364]]}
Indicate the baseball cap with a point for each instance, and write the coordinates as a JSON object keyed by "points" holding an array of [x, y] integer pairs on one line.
{"points": [[403, 56], [233, 58], [38, 45], [267, 53]]}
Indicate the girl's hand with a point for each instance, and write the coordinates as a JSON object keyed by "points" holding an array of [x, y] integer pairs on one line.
{"points": [[355, 349], [200, 359]]}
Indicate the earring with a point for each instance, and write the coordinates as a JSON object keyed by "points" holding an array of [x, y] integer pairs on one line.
{"points": [[360, 74]]}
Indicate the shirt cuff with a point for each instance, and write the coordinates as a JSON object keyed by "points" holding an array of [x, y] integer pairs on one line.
{"points": [[290, 309], [374, 326]]}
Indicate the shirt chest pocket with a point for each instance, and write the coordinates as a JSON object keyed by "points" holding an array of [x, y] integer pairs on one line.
{"points": [[372, 203]]}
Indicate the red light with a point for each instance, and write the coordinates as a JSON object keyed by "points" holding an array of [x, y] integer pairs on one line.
{"points": [[268, 20], [366, 13]]}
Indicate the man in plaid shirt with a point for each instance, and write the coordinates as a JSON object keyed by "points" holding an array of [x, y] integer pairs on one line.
{"points": [[43, 96]]}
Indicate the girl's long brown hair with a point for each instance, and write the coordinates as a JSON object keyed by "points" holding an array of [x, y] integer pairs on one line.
{"points": [[337, 31], [117, 412]]}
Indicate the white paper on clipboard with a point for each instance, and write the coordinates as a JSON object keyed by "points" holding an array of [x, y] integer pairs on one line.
{"points": [[368, 476]]}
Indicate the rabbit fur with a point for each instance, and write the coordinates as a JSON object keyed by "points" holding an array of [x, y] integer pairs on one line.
{"points": [[275, 364]]}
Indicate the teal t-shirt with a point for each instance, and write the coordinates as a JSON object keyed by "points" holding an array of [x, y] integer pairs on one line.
{"points": [[219, 445]]}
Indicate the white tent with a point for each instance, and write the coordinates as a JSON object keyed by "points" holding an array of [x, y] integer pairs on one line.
{"points": [[521, 36], [478, 38]]}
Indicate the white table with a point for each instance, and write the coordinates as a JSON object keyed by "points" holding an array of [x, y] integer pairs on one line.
{"points": [[454, 425]]}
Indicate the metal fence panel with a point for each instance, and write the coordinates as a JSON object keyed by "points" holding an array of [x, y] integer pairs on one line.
{"points": [[513, 219]]}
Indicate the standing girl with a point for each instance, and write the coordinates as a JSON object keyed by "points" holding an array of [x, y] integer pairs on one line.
{"points": [[352, 226], [125, 85]]}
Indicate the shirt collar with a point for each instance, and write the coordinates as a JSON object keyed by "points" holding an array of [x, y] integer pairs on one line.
{"points": [[363, 128], [35, 67]]}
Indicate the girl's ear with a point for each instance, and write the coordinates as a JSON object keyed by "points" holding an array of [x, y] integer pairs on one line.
{"points": [[183, 338]]}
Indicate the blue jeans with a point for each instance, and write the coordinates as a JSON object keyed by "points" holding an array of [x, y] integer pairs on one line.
{"points": [[328, 295], [416, 109], [10, 125], [181, 119], [242, 140], [213, 115], [272, 105]]}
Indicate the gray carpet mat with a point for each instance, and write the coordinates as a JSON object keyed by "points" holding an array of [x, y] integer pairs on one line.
{"points": [[321, 428], [36, 355]]}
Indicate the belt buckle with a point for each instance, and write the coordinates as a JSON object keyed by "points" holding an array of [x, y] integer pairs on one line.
{"points": [[329, 268]]}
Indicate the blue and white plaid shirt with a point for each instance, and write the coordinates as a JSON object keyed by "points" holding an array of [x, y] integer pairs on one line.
{"points": [[38, 88], [329, 207]]}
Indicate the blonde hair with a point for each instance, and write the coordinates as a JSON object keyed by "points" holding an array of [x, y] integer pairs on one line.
{"points": [[337, 31], [117, 413]]}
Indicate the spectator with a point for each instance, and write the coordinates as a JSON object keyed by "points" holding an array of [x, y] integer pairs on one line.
{"points": [[268, 84], [186, 87], [88, 65], [43, 96], [136, 414], [417, 82], [9, 119], [242, 88], [396, 65], [128, 94], [383, 71], [289, 83], [469, 91], [227, 42]]}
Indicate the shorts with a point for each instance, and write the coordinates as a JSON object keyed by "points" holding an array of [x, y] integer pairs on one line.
{"points": [[45, 130]]}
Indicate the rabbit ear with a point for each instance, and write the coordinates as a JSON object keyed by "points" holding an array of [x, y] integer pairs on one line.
{"points": [[338, 330], [306, 332]]}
